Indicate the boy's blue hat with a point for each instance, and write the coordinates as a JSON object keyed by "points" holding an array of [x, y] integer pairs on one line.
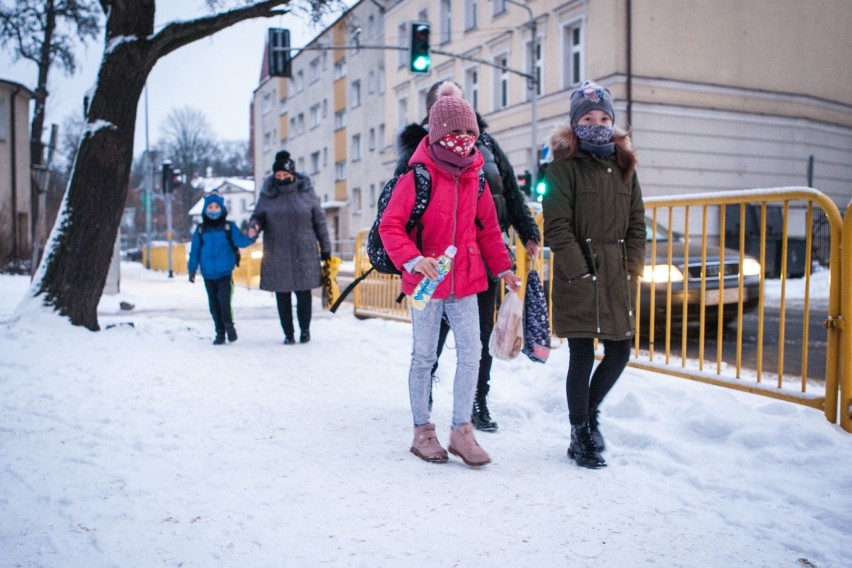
{"points": [[214, 198]]}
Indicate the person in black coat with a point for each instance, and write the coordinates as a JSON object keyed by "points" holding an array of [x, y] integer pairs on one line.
{"points": [[512, 210]]}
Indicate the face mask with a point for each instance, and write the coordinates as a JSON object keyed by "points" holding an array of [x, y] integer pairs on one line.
{"points": [[594, 133], [215, 215], [460, 144]]}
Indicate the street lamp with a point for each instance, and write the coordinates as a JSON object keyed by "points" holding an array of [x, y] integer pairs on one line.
{"points": [[533, 87]]}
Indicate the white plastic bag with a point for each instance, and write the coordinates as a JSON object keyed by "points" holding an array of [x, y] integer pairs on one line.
{"points": [[507, 338]]}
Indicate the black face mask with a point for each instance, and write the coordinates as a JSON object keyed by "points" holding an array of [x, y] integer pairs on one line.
{"points": [[282, 182]]}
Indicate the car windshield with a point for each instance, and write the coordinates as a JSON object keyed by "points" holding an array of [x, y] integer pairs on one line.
{"points": [[662, 233]]}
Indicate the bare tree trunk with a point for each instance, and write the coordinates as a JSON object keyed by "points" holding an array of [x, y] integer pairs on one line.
{"points": [[76, 261]]}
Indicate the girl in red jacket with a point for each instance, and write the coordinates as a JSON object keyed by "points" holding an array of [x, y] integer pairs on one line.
{"points": [[457, 215]]}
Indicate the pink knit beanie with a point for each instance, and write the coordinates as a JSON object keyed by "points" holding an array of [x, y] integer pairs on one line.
{"points": [[450, 112]]}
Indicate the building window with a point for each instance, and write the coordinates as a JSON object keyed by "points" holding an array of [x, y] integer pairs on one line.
{"points": [[355, 94], [300, 164], [371, 82], [372, 195], [356, 147], [472, 86], [300, 123], [315, 116], [315, 162], [471, 14], [501, 82], [340, 119], [446, 19], [534, 67], [380, 80], [499, 7], [340, 69], [356, 201], [340, 170], [371, 139], [402, 111], [381, 139], [299, 82], [572, 57], [324, 108], [325, 157], [314, 70], [403, 52]]}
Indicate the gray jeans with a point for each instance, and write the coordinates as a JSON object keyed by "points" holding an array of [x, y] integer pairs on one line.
{"points": [[463, 315]]}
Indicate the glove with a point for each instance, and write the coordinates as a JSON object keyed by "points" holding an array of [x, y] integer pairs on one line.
{"points": [[325, 256], [192, 278]]}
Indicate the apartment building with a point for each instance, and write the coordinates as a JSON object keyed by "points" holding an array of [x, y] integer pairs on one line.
{"points": [[328, 115], [721, 95], [16, 199]]}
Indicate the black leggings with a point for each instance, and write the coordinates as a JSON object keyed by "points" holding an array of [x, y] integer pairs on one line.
{"points": [[285, 311], [487, 299], [584, 396], [219, 300]]}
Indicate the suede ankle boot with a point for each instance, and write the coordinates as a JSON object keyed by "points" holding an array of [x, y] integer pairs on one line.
{"points": [[426, 446], [463, 445], [582, 449]]}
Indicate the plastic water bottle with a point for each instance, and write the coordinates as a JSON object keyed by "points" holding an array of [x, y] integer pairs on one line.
{"points": [[424, 290]]}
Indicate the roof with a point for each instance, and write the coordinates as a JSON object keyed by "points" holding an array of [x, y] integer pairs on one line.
{"points": [[224, 185]]}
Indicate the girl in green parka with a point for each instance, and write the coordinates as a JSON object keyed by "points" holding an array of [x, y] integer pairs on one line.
{"points": [[594, 222]]}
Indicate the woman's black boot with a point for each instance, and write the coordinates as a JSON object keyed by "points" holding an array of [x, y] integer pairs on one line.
{"points": [[481, 418], [595, 432], [582, 449]]}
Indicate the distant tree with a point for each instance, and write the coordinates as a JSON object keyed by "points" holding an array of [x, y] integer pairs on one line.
{"points": [[68, 280], [46, 33], [232, 159], [189, 143]]}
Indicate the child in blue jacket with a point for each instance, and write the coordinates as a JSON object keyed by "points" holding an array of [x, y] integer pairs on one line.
{"points": [[214, 247]]}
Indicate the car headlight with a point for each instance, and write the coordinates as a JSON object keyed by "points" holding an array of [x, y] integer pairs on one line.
{"points": [[751, 267], [662, 273]]}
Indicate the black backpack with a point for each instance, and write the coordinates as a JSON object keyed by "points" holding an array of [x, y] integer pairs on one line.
{"points": [[227, 228], [376, 251]]}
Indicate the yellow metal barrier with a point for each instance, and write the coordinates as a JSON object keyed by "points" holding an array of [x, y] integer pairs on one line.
{"points": [[846, 330], [160, 258], [377, 298]]}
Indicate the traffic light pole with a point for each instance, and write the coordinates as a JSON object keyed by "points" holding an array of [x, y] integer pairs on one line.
{"points": [[532, 79]]}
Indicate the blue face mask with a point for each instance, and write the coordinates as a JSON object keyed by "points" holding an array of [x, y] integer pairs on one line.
{"points": [[215, 215], [594, 133]]}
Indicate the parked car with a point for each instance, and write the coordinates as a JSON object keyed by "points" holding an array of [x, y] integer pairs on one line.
{"points": [[685, 280], [685, 276]]}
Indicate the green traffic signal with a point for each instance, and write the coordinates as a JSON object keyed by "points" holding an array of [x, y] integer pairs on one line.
{"points": [[420, 59], [540, 189], [421, 64]]}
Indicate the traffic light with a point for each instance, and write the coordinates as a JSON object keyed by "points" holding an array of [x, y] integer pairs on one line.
{"points": [[420, 58], [540, 184], [168, 178], [278, 52], [525, 183]]}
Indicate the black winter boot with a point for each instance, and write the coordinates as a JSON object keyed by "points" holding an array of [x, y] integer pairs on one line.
{"points": [[305, 336], [232, 333], [481, 418], [219, 339], [595, 433], [582, 449]]}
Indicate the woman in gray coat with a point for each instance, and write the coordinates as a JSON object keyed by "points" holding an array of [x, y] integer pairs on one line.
{"points": [[291, 218], [594, 223]]}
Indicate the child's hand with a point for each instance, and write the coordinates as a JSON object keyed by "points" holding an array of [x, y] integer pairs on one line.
{"points": [[192, 278], [428, 267], [512, 281]]}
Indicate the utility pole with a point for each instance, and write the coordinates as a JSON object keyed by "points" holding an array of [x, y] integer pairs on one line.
{"points": [[149, 188], [532, 87]]}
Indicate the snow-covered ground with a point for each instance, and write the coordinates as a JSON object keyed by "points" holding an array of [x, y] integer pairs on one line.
{"points": [[144, 445]]}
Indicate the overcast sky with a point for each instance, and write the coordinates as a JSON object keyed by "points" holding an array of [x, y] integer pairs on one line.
{"points": [[216, 75]]}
